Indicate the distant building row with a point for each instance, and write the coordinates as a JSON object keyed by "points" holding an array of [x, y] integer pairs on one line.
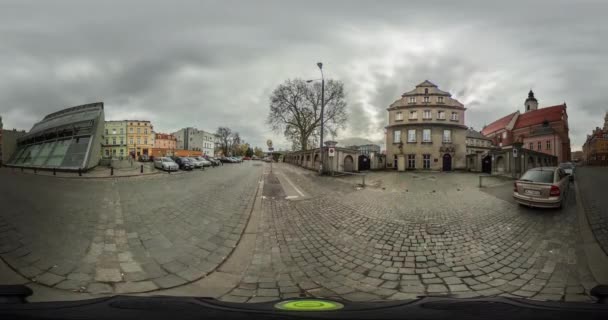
{"points": [[595, 149]]}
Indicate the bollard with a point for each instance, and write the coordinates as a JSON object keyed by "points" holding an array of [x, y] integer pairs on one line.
{"points": [[363, 177], [480, 181], [54, 171], [141, 169], [169, 170], [79, 172], [35, 171], [21, 169], [111, 171]]}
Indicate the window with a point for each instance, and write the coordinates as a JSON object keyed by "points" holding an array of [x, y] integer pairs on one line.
{"points": [[138, 130], [540, 146], [121, 131], [548, 144], [107, 153], [113, 131], [426, 161], [114, 152], [113, 140], [145, 140], [131, 130], [439, 99], [145, 131], [412, 99], [426, 114], [411, 161], [426, 99], [131, 141], [106, 131], [411, 135], [441, 115], [504, 135], [122, 152], [413, 115], [138, 140], [399, 116], [122, 141], [454, 116], [447, 136], [531, 146], [396, 136], [426, 91], [426, 135]]}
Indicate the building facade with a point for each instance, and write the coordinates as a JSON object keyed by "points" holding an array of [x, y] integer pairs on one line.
{"points": [[115, 140], [8, 143], [595, 148], [165, 141], [542, 130], [426, 131], [140, 137], [478, 147], [343, 159], [69, 139], [195, 139]]}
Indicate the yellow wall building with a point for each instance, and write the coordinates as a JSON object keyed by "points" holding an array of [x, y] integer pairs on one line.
{"points": [[114, 140], [140, 138]]}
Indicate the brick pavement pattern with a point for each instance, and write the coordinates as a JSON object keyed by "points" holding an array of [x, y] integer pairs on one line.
{"points": [[412, 234], [123, 235], [593, 182]]}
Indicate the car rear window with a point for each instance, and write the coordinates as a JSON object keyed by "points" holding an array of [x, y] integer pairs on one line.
{"points": [[566, 166], [544, 176]]}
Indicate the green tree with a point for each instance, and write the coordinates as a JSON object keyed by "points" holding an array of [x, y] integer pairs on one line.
{"points": [[258, 152], [249, 152]]}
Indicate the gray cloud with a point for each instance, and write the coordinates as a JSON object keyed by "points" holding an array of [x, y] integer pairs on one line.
{"points": [[214, 63]]}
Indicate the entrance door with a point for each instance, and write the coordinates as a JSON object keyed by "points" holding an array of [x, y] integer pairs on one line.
{"points": [[363, 162], [486, 164], [447, 162], [348, 164]]}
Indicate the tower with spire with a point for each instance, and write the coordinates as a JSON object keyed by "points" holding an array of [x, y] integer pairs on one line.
{"points": [[605, 121], [531, 103]]}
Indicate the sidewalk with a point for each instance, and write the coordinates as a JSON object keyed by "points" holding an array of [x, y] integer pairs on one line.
{"points": [[97, 172]]}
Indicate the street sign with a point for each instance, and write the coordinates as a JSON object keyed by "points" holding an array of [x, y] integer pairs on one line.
{"points": [[514, 153], [332, 152], [271, 149], [269, 143]]}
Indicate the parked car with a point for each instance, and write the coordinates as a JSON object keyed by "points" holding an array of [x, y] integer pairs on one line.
{"points": [[568, 167], [225, 160], [255, 158], [544, 187], [236, 159], [144, 158], [214, 161], [246, 158], [197, 163], [203, 161], [165, 163], [184, 163]]}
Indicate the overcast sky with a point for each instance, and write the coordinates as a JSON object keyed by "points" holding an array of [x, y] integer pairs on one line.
{"points": [[214, 63]]}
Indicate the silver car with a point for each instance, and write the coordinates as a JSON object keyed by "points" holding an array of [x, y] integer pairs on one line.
{"points": [[165, 163], [197, 163], [543, 187], [568, 167]]}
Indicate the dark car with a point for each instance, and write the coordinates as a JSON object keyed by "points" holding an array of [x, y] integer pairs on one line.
{"points": [[225, 160], [144, 158], [184, 163]]}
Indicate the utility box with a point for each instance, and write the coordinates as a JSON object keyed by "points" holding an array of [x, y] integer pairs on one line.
{"points": [[401, 162]]}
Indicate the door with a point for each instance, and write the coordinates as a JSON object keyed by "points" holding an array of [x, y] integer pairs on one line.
{"points": [[486, 164], [348, 164], [447, 162], [364, 163]]}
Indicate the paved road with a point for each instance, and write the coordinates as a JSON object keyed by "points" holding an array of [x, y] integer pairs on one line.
{"points": [[437, 234], [127, 234], [593, 185]]}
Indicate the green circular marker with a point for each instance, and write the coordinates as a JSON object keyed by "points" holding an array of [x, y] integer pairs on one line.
{"points": [[308, 305]]}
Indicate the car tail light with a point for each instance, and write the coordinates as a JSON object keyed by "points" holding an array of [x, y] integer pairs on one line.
{"points": [[554, 191], [515, 186]]}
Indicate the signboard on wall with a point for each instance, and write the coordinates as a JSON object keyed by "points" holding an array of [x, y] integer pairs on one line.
{"points": [[332, 152]]}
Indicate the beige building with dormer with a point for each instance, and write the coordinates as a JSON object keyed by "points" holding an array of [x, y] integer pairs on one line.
{"points": [[426, 131]]}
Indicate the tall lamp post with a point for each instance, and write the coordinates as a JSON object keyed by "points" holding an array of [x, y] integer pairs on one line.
{"points": [[320, 65]]}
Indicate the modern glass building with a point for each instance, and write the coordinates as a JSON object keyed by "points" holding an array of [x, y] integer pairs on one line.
{"points": [[69, 139]]}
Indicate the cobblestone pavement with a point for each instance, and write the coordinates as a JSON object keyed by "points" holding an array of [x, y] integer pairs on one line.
{"points": [[593, 182], [123, 235], [419, 234]]}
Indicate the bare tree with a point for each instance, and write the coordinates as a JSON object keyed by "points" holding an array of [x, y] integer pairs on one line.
{"points": [[295, 110], [224, 134]]}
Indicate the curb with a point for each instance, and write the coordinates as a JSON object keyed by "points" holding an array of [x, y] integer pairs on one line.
{"points": [[597, 260]]}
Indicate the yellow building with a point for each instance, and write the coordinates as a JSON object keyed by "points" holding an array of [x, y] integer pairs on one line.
{"points": [[114, 140], [140, 138]]}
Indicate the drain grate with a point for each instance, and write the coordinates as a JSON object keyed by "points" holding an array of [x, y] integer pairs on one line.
{"points": [[435, 230]]}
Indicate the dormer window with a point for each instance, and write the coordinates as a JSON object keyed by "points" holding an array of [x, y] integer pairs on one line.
{"points": [[412, 99], [426, 99], [439, 99], [426, 91]]}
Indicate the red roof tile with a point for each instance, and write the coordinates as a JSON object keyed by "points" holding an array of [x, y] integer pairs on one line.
{"points": [[530, 118], [498, 124]]}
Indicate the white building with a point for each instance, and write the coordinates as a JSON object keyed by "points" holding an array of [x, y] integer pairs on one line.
{"points": [[196, 140]]}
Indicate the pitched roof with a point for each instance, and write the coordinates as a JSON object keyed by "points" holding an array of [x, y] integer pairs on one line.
{"points": [[475, 134], [498, 124], [426, 83], [550, 114]]}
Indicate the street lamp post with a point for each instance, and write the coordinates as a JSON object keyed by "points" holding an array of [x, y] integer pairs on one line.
{"points": [[320, 65]]}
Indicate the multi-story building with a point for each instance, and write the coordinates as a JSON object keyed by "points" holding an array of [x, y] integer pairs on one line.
{"points": [[165, 141], [115, 140], [543, 130], [595, 149], [195, 139], [426, 130], [8, 142], [478, 147], [140, 137]]}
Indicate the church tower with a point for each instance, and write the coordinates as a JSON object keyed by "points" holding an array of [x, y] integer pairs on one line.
{"points": [[531, 103]]}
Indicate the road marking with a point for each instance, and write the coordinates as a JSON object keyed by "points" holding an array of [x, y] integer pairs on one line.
{"points": [[292, 185]]}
